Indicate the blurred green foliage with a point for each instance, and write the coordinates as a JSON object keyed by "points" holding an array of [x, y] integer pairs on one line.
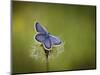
{"points": [[74, 24]]}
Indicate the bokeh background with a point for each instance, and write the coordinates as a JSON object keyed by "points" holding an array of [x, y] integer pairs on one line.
{"points": [[74, 24]]}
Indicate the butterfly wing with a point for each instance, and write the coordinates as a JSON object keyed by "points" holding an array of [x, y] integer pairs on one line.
{"points": [[40, 37], [39, 28], [47, 43], [55, 40]]}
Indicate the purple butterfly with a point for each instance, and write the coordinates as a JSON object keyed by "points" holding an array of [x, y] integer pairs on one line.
{"points": [[46, 38]]}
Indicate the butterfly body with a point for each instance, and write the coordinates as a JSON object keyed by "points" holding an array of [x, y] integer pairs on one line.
{"points": [[45, 38]]}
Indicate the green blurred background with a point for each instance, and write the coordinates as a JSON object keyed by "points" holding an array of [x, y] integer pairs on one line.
{"points": [[74, 24]]}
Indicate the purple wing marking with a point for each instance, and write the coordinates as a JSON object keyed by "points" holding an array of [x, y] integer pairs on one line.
{"points": [[55, 40], [47, 43], [40, 37], [39, 28]]}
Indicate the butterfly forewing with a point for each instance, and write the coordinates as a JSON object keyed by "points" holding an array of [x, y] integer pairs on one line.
{"points": [[40, 37], [39, 28]]}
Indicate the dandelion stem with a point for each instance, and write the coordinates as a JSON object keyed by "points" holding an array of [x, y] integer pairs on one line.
{"points": [[46, 54], [47, 63]]}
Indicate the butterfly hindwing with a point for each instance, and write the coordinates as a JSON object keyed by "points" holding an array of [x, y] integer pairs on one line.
{"points": [[39, 28], [40, 37], [55, 40], [47, 43]]}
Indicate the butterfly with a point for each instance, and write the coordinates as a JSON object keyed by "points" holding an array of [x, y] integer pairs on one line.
{"points": [[45, 38]]}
